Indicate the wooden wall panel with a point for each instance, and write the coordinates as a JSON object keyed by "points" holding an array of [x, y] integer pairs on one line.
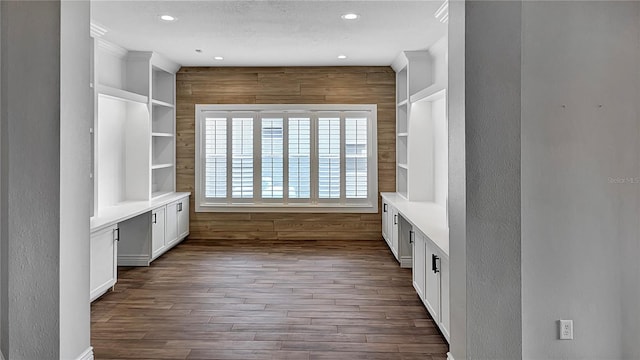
{"points": [[301, 85]]}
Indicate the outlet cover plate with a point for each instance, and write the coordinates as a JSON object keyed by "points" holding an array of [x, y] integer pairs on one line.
{"points": [[566, 329]]}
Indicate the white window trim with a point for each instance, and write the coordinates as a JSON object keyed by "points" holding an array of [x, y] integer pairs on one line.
{"points": [[366, 205]]}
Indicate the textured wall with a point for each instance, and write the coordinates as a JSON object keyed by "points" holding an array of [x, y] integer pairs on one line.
{"points": [[580, 169], [302, 85], [76, 118], [31, 179]]}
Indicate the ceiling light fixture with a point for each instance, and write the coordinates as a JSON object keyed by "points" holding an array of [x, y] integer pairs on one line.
{"points": [[218, 58], [350, 16], [198, 50], [167, 18], [342, 57]]}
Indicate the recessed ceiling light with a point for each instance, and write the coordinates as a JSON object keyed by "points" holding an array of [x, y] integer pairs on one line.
{"points": [[167, 18], [218, 58], [342, 57], [350, 16]]}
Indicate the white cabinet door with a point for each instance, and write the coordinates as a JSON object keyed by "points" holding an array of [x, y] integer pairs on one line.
{"points": [[432, 281], [158, 217], [385, 221], [183, 217], [103, 268], [171, 234], [395, 231], [419, 255], [444, 297]]}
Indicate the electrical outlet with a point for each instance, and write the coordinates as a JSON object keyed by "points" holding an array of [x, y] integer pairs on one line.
{"points": [[566, 329]]}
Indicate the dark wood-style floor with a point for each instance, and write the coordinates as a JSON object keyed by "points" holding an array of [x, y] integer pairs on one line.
{"points": [[266, 300]]}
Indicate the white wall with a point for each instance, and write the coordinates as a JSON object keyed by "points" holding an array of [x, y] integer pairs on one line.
{"points": [[580, 128], [76, 117]]}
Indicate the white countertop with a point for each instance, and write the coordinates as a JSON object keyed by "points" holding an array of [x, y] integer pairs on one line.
{"points": [[430, 218], [128, 209]]}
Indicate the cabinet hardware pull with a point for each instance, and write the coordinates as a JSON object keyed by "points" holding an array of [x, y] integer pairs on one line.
{"points": [[434, 265], [179, 207], [116, 234], [155, 218], [395, 219], [411, 236], [384, 207]]}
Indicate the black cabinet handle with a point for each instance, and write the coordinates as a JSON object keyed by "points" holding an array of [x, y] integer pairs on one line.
{"points": [[116, 234], [384, 207], [155, 218], [179, 207], [395, 219], [411, 236], [434, 265]]}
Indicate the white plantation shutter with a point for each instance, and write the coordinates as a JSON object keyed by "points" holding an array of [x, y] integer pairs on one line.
{"points": [[329, 157], [312, 158], [356, 157], [216, 157], [242, 158], [299, 157], [272, 158]]}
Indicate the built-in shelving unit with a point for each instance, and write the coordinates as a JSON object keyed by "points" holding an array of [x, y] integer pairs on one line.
{"points": [[415, 217], [134, 138], [413, 74], [134, 202]]}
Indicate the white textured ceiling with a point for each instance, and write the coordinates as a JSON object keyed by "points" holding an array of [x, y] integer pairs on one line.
{"points": [[271, 33]]}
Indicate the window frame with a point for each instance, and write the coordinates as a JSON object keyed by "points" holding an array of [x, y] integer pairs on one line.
{"points": [[315, 205]]}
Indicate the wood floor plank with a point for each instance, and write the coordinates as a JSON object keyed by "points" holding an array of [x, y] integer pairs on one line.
{"points": [[266, 299]]}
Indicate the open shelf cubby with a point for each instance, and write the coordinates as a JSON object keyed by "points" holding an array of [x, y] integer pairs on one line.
{"points": [[163, 84]]}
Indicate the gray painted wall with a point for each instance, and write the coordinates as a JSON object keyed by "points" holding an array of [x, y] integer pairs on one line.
{"points": [[76, 117], [2, 208], [492, 148], [31, 113], [46, 114], [580, 237], [457, 182]]}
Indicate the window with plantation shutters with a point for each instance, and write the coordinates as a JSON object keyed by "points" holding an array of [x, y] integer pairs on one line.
{"points": [[299, 146], [288, 158], [215, 136], [242, 157]]}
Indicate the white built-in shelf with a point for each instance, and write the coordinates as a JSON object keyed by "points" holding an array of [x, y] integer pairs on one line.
{"points": [[403, 166], [161, 103], [127, 209], [121, 94], [161, 166], [430, 93], [403, 134], [162, 134], [159, 194], [427, 216], [403, 102]]}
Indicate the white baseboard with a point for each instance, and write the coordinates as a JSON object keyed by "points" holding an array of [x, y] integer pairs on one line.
{"points": [[133, 260], [87, 354], [449, 356], [406, 261]]}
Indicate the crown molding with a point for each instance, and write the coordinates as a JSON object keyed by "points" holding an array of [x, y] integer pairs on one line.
{"points": [[97, 30], [442, 14], [111, 48]]}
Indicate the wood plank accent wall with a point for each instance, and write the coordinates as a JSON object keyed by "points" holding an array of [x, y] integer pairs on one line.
{"points": [[290, 85]]}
